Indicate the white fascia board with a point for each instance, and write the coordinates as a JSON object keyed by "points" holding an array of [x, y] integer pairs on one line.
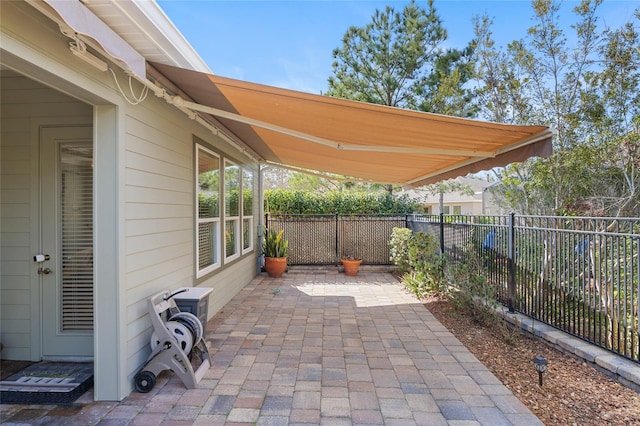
{"points": [[162, 31]]}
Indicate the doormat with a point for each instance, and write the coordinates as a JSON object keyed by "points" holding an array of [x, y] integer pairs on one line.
{"points": [[47, 383]]}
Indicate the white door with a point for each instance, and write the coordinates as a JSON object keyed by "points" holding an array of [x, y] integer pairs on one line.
{"points": [[66, 194]]}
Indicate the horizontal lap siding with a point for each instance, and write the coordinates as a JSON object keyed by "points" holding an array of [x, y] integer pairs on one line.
{"points": [[153, 153], [25, 104], [159, 219], [228, 282], [158, 214]]}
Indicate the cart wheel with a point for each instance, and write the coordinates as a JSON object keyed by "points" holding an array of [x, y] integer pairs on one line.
{"points": [[145, 381]]}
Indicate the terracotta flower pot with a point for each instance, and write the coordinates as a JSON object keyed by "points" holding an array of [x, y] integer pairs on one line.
{"points": [[275, 266], [351, 266]]}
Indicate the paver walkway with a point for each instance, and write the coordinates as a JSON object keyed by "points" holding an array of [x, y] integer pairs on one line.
{"points": [[323, 348]]}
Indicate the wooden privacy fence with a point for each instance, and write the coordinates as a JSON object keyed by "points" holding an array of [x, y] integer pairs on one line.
{"points": [[324, 239]]}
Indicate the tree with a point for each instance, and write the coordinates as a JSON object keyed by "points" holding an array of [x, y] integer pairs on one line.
{"points": [[279, 178], [500, 76], [590, 93], [446, 91], [544, 81], [611, 110], [307, 182], [274, 177], [384, 62], [396, 60]]}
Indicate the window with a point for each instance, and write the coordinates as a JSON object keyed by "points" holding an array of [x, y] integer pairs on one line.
{"points": [[457, 209], [224, 210], [247, 210], [446, 210], [208, 211], [231, 210]]}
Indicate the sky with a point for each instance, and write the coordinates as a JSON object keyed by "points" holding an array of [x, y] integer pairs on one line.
{"points": [[289, 44]]}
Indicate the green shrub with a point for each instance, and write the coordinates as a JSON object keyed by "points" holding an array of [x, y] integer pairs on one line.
{"points": [[283, 201], [471, 292], [422, 255], [399, 248], [419, 283], [464, 284]]}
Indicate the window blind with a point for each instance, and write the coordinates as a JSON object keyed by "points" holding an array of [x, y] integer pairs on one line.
{"points": [[76, 239]]}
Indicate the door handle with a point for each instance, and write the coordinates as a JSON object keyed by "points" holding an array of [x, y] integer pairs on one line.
{"points": [[44, 271]]}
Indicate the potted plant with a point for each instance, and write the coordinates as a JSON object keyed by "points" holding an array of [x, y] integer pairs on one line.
{"points": [[275, 249], [351, 265]]}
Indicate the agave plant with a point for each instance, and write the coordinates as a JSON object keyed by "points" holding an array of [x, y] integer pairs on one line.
{"points": [[274, 244]]}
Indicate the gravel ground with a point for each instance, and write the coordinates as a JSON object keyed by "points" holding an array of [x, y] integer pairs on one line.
{"points": [[572, 392]]}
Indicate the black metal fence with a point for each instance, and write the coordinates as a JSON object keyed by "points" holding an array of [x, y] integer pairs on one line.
{"points": [[581, 275], [324, 239]]}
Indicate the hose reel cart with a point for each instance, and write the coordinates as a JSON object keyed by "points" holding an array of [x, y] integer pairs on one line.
{"points": [[177, 344]]}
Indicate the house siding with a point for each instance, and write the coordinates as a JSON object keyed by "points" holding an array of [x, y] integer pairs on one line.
{"points": [[145, 232], [159, 218], [158, 215], [26, 105]]}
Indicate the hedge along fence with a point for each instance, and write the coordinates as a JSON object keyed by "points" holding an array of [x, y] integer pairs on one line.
{"points": [[282, 202], [322, 227], [324, 239]]}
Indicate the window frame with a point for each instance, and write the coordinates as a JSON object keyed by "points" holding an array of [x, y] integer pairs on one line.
{"points": [[234, 219], [216, 243], [243, 216]]}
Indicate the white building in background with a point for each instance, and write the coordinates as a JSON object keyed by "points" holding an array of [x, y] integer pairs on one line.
{"points": [[478, 203]]}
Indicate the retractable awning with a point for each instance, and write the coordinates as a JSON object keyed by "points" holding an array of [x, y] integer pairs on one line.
{"points": [[373, 142], [77, 21]]}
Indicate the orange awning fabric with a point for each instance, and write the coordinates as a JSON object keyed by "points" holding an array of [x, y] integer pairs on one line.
{"points": [[372, 142]]}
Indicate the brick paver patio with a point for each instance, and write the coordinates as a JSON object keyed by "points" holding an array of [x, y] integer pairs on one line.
{"points": [[323, 348]]}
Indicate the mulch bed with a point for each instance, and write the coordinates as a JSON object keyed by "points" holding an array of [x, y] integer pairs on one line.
{"points": [[573, 392]]}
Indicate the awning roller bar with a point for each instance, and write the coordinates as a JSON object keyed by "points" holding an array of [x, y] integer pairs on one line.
{"points": [[533, 139]]}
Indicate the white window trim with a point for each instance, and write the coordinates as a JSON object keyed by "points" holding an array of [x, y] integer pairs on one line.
{"points": [[236, 226], [202, 272], [235, 219], [250, 217], [250, 229]]}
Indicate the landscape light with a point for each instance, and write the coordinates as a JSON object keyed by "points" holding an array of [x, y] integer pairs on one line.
{"points": [[541, 366]]}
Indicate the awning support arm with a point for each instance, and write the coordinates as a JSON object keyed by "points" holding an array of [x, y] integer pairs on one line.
{"points": [[180, 102], [318, 174]]}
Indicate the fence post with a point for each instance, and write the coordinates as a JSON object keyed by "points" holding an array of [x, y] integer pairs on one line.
{"points": [[442, 233], [338, 254], [637, 279], [511, 265]]}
